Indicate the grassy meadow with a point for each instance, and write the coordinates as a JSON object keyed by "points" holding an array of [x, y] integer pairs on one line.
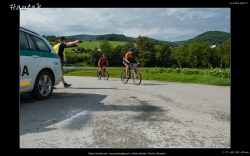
{"points": [[203, 76], [93, 44]]}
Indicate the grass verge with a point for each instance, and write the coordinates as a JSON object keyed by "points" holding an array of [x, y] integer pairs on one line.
{"points": [[167, 77]]}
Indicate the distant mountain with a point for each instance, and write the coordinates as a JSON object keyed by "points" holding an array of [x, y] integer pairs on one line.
{"points": [[214, 37], [84, 37], [117, 37], [164, 42]]}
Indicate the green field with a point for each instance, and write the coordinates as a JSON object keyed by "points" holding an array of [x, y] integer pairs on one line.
{"points": [[93, 44], [165, 77]]}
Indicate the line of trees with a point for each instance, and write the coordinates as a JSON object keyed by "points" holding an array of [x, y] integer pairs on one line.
{"points": [[113, 37], [195, 55], [55, 39]]}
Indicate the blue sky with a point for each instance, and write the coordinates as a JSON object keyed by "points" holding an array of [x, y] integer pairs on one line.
{"points": [[167, 24]]}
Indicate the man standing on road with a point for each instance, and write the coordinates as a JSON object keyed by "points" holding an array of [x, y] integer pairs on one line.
{"points": [[60, 49]]}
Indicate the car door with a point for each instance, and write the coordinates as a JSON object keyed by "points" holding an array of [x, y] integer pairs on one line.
{"points": [[29, 61]]}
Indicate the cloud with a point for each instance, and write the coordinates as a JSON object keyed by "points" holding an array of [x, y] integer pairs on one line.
{"points": [[170, 24]]}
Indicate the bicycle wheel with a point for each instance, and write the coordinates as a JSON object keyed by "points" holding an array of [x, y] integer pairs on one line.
{"points": [[124, 78], [136, 77], [98, 75], [106, 75]]}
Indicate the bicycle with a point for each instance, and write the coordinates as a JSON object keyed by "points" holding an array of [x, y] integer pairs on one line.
{"points": [[103, 73], [136, 74]]}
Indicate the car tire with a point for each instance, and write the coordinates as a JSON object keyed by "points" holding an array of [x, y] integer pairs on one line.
{"points": [[43, 86]]}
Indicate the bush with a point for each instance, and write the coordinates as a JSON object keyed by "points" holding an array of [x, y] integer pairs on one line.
{"points": [[174, 66], [169, 70], [177, 70], [73, 58], [189, 71], [217, 72]]}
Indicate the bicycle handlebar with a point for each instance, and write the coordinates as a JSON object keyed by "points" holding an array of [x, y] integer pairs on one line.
{"points": [[135, 64]]}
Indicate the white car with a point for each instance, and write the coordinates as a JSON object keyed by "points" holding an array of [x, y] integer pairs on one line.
{"points": [[40, 65]]}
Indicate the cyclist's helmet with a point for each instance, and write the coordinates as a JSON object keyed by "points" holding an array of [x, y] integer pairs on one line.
{"points": [[131, 49]]}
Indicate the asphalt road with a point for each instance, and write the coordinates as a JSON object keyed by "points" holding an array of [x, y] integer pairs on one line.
{"points": [[96, 113]]}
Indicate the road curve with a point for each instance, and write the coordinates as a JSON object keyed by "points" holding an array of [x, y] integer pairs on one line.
{"points": [[96, 113]]}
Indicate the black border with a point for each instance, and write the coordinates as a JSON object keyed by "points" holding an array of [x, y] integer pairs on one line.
{"points": [[239, 102]]}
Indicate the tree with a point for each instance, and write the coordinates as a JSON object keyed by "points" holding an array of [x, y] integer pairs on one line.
{"points": [[165, 54], [146, 51], [94, 57], [194, 54], [105, 48], [158, 57], [226, 53], [220, 49], [179, 54], [205, 54], [117, 56]]}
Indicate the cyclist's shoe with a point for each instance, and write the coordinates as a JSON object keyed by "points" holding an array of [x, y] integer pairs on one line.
{"points": [[128, 76], [66, 85]]}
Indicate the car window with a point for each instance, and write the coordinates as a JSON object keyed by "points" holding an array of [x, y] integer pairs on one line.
{"points": [[31, 43], [41, 44], [23, 41]]}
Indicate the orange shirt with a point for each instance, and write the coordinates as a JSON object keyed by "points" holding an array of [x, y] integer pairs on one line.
{"points": [[129, 55]]}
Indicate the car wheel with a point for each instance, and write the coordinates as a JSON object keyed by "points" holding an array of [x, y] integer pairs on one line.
{"points": [[43, 86]]}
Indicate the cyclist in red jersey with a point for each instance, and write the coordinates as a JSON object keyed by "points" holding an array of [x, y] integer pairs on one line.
{"points": [[103, 62]]}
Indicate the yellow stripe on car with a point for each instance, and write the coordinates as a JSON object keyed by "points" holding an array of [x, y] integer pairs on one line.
{"points": [[25, 83]]}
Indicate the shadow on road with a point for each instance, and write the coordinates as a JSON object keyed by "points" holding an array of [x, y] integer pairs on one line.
{"points": [[153, 84], [89, 88], [71, 111]]}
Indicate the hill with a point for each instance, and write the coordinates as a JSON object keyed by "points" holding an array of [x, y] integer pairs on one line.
{"points": [[164, 42], [213, 37], [84, 37], [115, 37], [118, 37]]}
